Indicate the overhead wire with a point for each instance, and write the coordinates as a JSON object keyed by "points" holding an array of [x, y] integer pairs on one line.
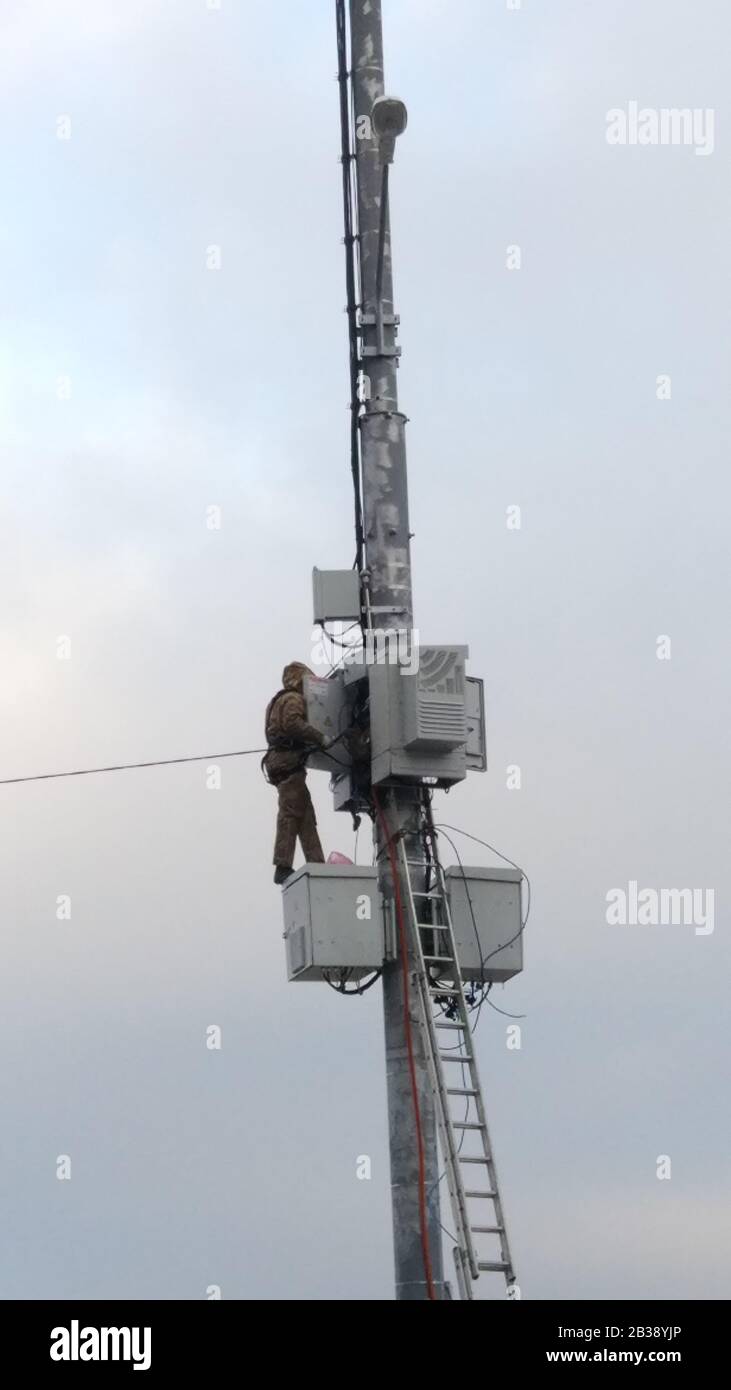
{"points": [[157, 762], [126, 767]]}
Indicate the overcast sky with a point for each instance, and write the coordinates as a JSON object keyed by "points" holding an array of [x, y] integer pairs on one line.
{"points": [[139, 388]]}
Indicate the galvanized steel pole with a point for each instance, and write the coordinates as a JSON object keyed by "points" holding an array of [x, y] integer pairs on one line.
{"points": [[386, 526]]}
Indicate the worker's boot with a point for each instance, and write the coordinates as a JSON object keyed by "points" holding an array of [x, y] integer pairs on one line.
{"points": [[282, 873]]}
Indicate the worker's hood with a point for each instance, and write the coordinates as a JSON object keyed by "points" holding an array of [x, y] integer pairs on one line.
{"points": [[294, 674]]}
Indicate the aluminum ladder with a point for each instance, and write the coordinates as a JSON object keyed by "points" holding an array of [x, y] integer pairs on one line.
{"points": [[449, 1048]]}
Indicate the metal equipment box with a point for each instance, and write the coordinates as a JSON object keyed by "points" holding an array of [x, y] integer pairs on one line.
{"points": [[333, 921], [328, 712], [394, 696], [336, 595], [482, 941]]}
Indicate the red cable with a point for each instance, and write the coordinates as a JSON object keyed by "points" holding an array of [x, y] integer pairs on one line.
{"points": [[423, 1225]]}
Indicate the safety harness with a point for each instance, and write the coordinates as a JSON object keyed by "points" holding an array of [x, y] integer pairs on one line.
{"points": [[280, 743]]}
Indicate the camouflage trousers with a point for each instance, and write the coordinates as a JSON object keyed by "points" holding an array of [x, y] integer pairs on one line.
{"points": [[296, 820]]}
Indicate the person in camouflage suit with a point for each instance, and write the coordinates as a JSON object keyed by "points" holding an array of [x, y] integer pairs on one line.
{"points": [[289, 739]]}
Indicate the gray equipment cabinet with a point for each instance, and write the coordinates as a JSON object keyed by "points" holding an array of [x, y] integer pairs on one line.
{"points": [[333, 921], [418, 718], [328, 712], [336, 595], [485, 908]]}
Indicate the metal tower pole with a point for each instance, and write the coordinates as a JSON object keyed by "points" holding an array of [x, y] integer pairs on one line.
{"points": [[387, 552]]}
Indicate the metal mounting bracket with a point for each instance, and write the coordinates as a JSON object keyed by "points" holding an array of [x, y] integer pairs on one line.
{"points": [[380, 351], [368, 320]]}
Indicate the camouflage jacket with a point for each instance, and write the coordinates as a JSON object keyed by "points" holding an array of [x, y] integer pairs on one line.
{"points": [[288, 734]]}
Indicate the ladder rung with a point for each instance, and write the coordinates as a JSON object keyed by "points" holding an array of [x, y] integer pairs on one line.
{"points": [[475, 1193], [444, 960], [460, 1026], [493, 1266], [459, 1091], [467, 1158], [488, 1230], [450, 1058], [467, 1124], [428, 893]]}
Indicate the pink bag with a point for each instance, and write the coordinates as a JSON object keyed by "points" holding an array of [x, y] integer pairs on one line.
{"points": [[335, 857]]}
